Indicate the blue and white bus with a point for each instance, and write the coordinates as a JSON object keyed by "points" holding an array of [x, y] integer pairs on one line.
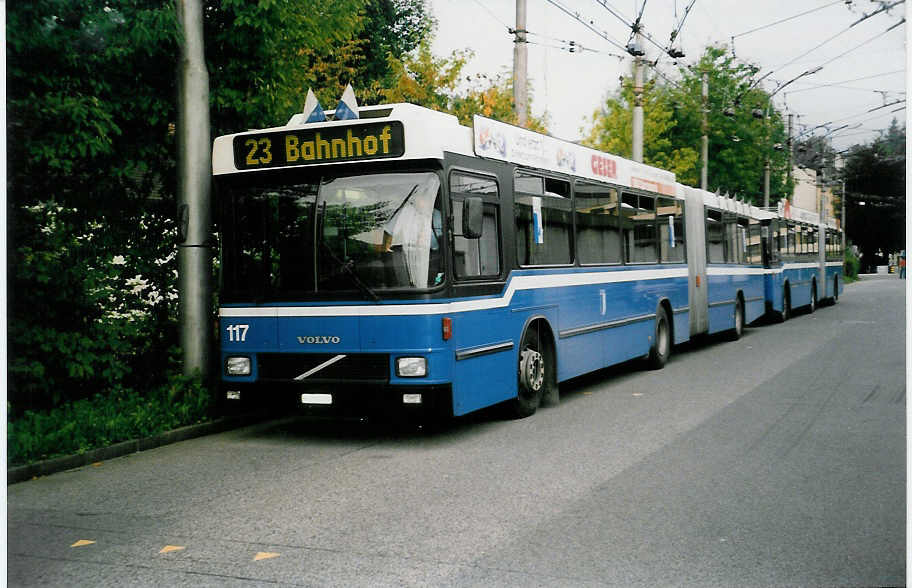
{"points": [[806, 261], [402, 262], [725, 249]]}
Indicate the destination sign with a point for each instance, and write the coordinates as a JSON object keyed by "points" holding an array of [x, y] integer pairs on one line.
{"points": [[304, 146]]}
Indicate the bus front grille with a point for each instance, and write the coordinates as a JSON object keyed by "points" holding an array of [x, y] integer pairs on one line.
{"points": [[324, 367]]}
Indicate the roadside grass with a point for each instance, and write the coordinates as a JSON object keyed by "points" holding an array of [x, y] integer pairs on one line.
{"points": [[103, 420]]}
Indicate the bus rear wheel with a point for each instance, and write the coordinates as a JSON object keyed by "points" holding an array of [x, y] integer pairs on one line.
{"points": [[661, 344], [813, 305], [536, 373], [738, 329], [786, 305]]}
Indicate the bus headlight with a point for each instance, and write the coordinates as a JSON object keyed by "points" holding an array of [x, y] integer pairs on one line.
{"points": [[411, 367], [237, 366]]}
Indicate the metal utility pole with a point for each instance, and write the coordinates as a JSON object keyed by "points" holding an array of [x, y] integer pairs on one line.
{"points": [[791, 152], [766, 164], [842, 219], [704, 148], [637, 138], [194, 172], [520, 60]]}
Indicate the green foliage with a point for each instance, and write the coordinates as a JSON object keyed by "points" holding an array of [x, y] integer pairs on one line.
{"points": [[83, 316], [738, 145], [423, 79], [612, 130], [102, 420], [852, 264], [875, 174]]}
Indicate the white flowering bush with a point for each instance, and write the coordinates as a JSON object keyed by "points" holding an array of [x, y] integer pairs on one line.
{"points": [[92, 308]]}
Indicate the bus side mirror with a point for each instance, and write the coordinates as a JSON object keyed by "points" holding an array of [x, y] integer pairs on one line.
{"points": [[472, 217]]}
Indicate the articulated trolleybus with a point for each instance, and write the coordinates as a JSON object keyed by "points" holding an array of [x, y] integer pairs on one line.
{"points": [[402, 262]]}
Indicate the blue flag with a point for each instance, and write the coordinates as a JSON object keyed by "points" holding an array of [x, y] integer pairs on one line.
{"points": [[313, 112], [348, 107]]}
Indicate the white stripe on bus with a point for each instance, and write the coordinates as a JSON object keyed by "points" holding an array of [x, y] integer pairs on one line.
{"points": [[526, 282]]}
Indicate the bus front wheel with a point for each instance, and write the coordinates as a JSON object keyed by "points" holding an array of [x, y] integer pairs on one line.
{"points": [[536, 373]]}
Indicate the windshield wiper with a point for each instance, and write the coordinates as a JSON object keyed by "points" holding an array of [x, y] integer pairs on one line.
{"points": [[346, 267]]}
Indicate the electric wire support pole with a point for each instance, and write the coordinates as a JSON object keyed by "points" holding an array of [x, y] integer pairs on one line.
{"points": [[791, 152], [637, 139], [193, 212], [520, 59], [704, 147]]}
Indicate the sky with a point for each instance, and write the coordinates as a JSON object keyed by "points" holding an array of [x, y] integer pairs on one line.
{"points": [[571, 86]]}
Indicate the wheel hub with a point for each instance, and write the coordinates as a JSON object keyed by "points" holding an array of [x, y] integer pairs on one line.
{"points": [[531, 369]]}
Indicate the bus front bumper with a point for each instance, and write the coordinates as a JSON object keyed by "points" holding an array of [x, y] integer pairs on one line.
{"points": [[341, 400]]}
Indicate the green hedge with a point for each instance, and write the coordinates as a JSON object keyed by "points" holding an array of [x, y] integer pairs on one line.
{"points": [[102, 420], [851, 266]]}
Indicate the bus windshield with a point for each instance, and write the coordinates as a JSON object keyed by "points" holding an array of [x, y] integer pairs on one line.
{"points": [[337, 236]]}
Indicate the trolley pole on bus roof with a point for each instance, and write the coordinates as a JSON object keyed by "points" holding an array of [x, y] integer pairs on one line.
{"points": [[194, 172], [520, 59]]}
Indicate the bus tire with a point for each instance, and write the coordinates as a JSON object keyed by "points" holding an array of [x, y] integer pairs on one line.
{"points": [[835, 289], [735, 333], [661, 343], [812, 306], [786, 311], [536, 373]]}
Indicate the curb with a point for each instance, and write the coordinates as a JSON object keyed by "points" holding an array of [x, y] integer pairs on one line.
{"points": [[68, 462]]}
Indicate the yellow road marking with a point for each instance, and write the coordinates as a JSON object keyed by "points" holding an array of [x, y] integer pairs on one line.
{"points": [[264, 555], [170, 548], [82, 542]]}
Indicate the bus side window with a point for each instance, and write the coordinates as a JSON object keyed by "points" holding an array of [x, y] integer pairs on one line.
{"points": [[598, 238], [638, 219], [544, 220], [670, 213], [754, 254], [715, 236], [475, 257]]}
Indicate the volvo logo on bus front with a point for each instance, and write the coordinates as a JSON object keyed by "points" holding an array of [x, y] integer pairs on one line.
{"points": [[319, 340]]}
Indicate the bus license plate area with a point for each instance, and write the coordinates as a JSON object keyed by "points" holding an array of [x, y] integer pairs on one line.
{"points": [[324, 399]]}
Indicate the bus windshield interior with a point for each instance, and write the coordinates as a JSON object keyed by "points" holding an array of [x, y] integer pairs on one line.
{"points": [[346, 236]]}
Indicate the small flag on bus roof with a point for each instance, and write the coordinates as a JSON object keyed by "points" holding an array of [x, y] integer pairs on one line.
{"points": [[348, 106], [313, 112]]}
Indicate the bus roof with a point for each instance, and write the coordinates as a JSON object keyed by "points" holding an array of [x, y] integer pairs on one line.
{"points": [[405, 131]]}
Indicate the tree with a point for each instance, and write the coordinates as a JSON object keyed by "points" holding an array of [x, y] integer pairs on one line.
{"points": [[739, 143], [423, 79], [91, 179], [875, 175], [612, 129]]}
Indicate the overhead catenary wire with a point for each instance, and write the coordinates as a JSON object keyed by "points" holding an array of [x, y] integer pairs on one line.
{"points": [[837, 84], [494, 16], [772, 24], [589, 25], [840, 120], [843, 31]]}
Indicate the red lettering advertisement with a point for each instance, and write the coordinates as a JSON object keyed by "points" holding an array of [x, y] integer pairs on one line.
{"points": [[602, 166]]}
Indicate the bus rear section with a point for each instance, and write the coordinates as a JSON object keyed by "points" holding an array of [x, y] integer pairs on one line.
{"points": [[805, 262]]}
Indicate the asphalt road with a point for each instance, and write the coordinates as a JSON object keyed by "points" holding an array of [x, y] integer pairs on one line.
{"points": [[775, 460]]}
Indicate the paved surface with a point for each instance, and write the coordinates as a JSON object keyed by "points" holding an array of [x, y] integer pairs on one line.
{"points": [[775, 460]]}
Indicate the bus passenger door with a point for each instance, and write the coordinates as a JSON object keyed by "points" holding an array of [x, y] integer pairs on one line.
{"points": [[483, 371]]}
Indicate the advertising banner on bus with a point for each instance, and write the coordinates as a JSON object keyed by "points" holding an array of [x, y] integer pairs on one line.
{"points": [[505, 142]]}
